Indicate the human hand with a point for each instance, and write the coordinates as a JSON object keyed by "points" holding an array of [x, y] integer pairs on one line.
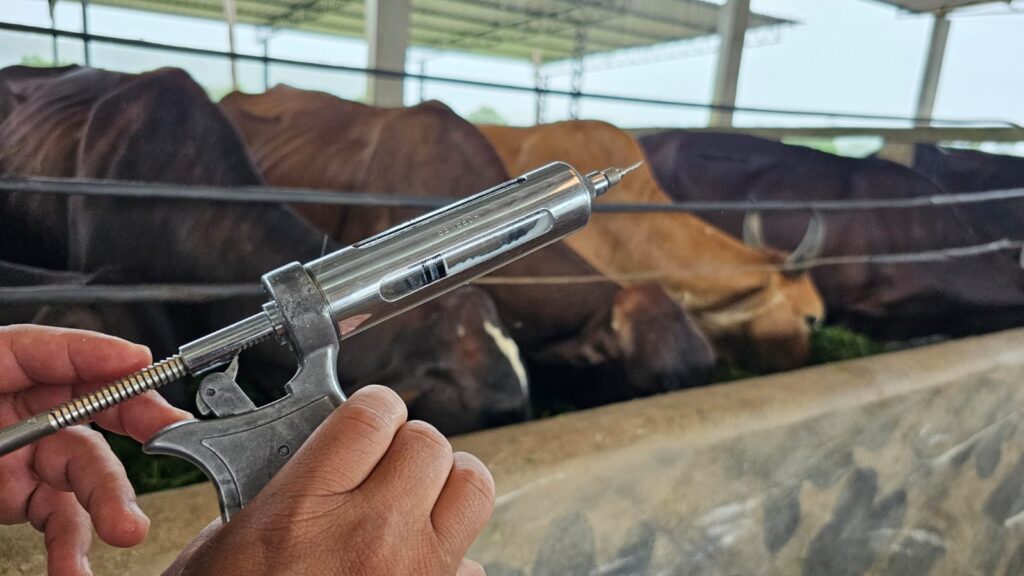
{"points": [[368, 494], [67, 479]]}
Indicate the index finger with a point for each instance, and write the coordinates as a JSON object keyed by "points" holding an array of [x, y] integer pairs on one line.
{"points": [[31, 355]]}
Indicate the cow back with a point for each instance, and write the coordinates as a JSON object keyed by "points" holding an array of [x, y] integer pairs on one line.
{"points": [[303, 138], [957, 170], [313, 139]]}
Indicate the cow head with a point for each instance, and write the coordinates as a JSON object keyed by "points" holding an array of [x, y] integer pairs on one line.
{"points": [[768, 327], [791, 297], [660, 346], [461, 371]]}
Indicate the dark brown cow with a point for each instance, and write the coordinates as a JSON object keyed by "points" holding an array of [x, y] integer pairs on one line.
{"points": [[953, 297], [583, 337], [160, 126], [958, 170], [955, 170]]}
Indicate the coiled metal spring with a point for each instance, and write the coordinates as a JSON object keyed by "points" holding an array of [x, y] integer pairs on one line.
{"points": [[150, 378]]}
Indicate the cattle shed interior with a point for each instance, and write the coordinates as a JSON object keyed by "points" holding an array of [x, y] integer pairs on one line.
{"points": [[557, 32], [546, 29], [694, 321]]}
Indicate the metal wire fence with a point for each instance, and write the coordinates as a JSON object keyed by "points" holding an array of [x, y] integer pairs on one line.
{"points": [[194, 293], [280, 195]]}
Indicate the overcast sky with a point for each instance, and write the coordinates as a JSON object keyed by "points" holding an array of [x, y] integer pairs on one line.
{"points": [[845, 55]]}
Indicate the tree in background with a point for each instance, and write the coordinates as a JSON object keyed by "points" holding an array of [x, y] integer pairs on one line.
{"points": [[38, 61], [486, 115]]}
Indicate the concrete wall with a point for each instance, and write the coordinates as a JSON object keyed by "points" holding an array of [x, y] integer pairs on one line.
{"points": [[909, 463]]}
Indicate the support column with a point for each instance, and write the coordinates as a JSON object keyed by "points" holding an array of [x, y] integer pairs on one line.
{"points": [[231, 16], [732, 28], [932, 68], [85, 34], [539, 82], [264, 33], [423, 83], [579, 50], [387, 37], [54, 50], [266, 63]]}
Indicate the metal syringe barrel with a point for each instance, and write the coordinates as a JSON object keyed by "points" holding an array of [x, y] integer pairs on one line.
{"points": [[387, 274], [384, 275], [376, 279]]}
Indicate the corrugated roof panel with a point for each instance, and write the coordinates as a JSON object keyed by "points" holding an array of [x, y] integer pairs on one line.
{"points": [[510, 28]]}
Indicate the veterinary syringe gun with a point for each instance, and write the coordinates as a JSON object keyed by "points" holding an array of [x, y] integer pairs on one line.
{"points": [[311, 307]]}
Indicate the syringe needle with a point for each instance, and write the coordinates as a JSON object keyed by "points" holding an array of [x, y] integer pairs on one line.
{"points": [[630, 168]]}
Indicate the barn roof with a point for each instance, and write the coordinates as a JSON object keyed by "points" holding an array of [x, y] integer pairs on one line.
{"points": [[510, 28]]}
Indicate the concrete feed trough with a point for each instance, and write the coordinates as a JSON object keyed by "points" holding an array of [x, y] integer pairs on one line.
{"points": [[909, 463]]}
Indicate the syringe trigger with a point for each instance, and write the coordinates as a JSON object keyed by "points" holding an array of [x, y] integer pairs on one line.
{"points": [[220, 395]]}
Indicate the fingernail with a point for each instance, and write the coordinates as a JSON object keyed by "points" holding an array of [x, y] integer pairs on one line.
{"points": [[137, 511]]}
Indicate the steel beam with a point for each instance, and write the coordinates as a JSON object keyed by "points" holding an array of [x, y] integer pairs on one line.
{"points": [[387, 37], [732, 28]]}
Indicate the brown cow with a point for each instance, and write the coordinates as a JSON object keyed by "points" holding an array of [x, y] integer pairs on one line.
{"points": [[570, 333], [749, 312], [160, 126]]}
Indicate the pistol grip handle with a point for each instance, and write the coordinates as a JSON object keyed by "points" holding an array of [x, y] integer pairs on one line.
{"points": [[241, 453]]}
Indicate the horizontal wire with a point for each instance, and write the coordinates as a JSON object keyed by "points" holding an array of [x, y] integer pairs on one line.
{"points": [[281, 195], [195, 293]]}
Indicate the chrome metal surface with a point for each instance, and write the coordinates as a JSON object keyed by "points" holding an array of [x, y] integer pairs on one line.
{"points": [[85, 407], [26, 432], [360, 286], [223, 345], [378, 278]]}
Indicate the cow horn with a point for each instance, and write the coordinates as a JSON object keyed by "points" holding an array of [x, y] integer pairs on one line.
{"points": [[812, 243], [753, 230]]}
